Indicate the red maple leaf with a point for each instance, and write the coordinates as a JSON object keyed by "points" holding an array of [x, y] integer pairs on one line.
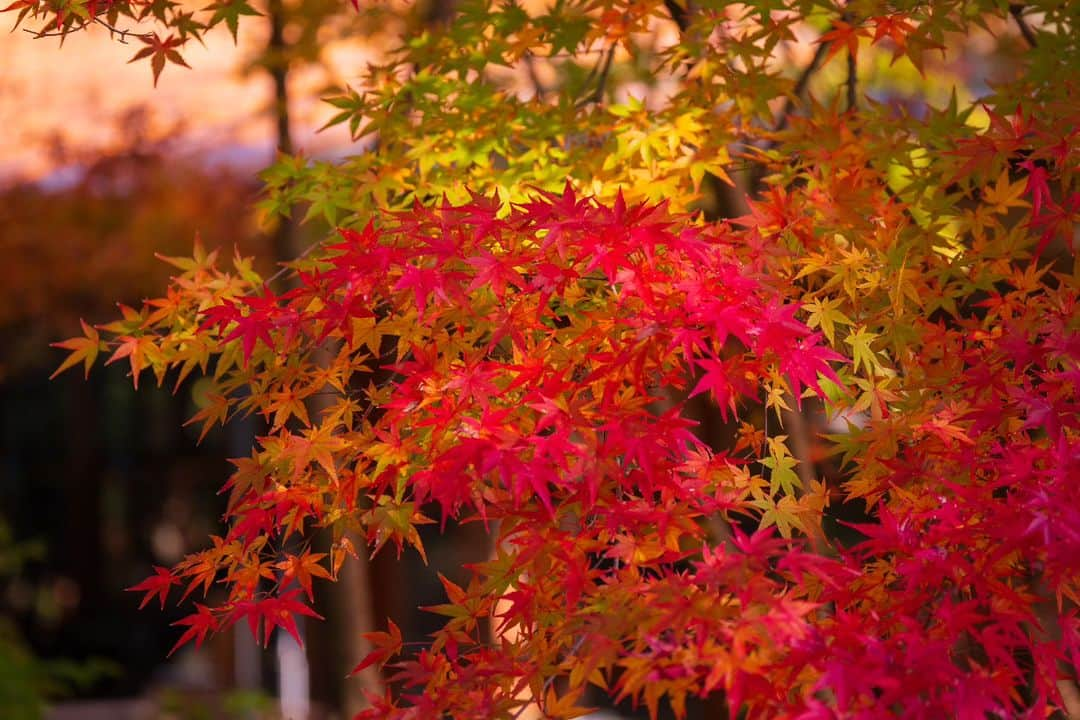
{"points": [[157, 584], [199, 624]]}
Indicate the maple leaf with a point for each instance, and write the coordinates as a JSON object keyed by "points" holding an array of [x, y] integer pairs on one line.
{"points": [[782, 514], [230, 11], [861, 351], [160, 50], [717, 381], [303, 567], [201, 622], [387, 645], [1004, 195], [842, 35], [141, 352], [806, 362], [338, 552], [896, 27], [84, 349], [284, 404], [943, 427], [202, 567], [825, 313], [265, 614], [216, 410], [200, 259], [252, 319], [782, 476], [157, 584], [495, 272]]}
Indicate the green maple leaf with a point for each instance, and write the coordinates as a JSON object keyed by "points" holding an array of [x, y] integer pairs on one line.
{"points": [[861, 351], [825, 314], [566, 30], [230, 12], [782, 476]]}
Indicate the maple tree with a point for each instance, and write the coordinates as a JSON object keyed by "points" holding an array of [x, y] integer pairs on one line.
{"points": [[510, 325]]}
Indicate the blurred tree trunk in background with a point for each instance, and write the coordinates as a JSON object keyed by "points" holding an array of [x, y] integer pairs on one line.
{"points": [[335, 646]]}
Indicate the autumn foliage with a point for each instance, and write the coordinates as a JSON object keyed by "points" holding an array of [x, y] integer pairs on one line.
{"points": [[494, 344], [80, 248]]}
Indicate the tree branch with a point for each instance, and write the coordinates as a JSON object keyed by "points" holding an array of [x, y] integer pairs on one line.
{"points": [[601, 82], [1017, 12], [679, 14], [538, 87], [800, 86], [852, 81], [113, 31], [597, 95]]}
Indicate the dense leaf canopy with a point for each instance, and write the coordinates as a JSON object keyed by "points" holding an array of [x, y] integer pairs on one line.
{"points": [[541, 262]]}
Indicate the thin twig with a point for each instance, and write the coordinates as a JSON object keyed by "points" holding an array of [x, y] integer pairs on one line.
{"points": [[1017, 12], [113, 30], [800, 86], [852, 80], [286, 266], [597, 95], [601, 83], [681, 17], [538, 87], [796, 93], [42, 34], [564, 55]]}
